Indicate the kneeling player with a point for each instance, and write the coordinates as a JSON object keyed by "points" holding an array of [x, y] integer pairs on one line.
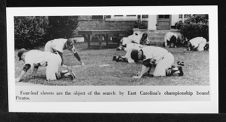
{"points": [[197, 44], [128, 48], [35, 58], [155, 57]]}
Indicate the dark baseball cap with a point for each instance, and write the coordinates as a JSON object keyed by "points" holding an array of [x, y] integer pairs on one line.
{"points": [[20, 53]]}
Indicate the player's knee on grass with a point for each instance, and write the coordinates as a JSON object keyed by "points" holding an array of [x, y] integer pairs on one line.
{"points": [[67, 74]]}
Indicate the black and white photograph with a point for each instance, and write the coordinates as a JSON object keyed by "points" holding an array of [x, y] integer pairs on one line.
{"points": [[113, 54], [112, 50]]}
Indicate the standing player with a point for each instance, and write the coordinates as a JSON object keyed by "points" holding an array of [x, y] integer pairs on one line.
{"points": [[58, 45], [35, 58], [157, 57]]}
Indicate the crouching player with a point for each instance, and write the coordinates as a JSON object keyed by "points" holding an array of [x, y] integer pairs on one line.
{"points": [[198, 44], [59, 45], [158, 58], [35, 58], [128, 48]]}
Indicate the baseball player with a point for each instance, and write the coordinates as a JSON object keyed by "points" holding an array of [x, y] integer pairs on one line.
{"points": [[128, 48], [58, 45], [152, 56], [171, 39], [34, 58], [198, 44]]}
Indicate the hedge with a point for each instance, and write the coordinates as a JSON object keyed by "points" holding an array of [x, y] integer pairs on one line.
{"points": [[195, 26], [190, 31]]}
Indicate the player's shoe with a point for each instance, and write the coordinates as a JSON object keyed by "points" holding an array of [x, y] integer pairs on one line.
{"points": [[72, 76], [68, 74]]}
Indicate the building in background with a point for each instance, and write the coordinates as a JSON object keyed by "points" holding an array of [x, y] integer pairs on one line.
{"points": [[154, 22], [118, 26]]}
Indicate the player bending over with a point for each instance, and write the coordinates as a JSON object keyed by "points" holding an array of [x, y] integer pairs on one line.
{"points": [[34, 58], [197, 44], [156, 57], [58, 45]]}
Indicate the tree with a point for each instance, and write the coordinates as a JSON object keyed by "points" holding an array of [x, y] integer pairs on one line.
{"points": [[35, 31], [61, 26], [30, 31], [197, 19], [196, 25]]}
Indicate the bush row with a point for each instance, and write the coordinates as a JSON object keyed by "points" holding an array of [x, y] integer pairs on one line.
{"points": [[190, 31], [35, 31], [195, 26]]}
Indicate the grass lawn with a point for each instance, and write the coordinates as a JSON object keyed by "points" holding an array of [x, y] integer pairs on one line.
{"points": [[95, 72]]}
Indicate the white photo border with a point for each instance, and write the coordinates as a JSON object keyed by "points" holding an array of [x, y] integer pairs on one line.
{"points": [[116, 107]]}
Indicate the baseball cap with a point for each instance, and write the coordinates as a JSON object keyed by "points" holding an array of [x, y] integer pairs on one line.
{"points": [[20, 53], [134, 55]]}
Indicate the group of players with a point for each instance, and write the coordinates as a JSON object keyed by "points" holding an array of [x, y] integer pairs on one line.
{"points": [[149, 56], [51, 58], [157, 58]]}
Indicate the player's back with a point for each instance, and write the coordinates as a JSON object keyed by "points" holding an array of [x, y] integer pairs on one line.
{"points": [[58, 44], [36, 56], [154, 52]]}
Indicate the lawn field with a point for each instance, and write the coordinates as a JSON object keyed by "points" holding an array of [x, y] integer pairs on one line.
{"points": [[100, 70]]}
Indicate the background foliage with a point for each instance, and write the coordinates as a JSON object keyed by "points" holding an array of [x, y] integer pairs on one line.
{"points": [[29, 31], [35, 31], [196, 25]]}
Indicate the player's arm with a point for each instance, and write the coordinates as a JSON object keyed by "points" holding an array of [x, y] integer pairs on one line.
{"points": [[24, 70], [146, 65], [77, 56], [144, 69], [35, 69]]}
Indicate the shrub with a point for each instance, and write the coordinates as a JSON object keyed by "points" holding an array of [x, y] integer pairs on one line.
{"points": [[29, 31], [35, 31], [190, 31], [195, 26], [196, 18], [61, 26]]}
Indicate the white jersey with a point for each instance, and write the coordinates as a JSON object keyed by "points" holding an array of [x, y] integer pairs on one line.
{"points": [[199, 43], [33, 57], [152, 52], [164, 59], [135, 37], [169, 35], [53, 61], [55, 44]]}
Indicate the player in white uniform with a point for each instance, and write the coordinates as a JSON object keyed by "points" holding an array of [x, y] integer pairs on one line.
{"points": [[197, 44], [58, 45], [128, 45], [173, 39], [152, 56], [35, 58], [128, 48]]}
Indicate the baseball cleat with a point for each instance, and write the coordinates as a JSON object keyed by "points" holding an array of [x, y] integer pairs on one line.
{"points": [[181, 71], [72, 76]]}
